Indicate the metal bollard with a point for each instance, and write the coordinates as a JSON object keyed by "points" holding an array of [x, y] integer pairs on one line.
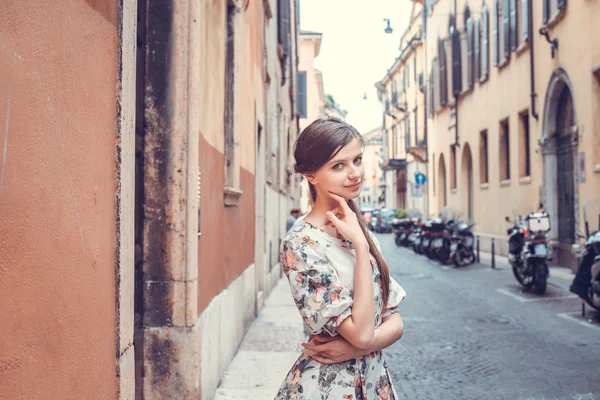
{"points": [[478, 260], [493, 254]]}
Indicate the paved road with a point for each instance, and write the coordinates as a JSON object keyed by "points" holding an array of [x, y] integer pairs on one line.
{"points": [[472, 334]]}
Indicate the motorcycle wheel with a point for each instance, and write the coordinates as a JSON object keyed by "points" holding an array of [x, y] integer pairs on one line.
{"points": [[526, 281], [457, 259], [430, 251], [444, 256], [470, 259], [541, 278], [398, 241]]}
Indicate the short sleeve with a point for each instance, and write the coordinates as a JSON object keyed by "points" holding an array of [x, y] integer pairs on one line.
{"points": [[397, 294], [323, 301]]}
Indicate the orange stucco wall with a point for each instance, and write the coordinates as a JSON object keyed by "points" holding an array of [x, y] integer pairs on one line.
{"points": [[57, 192], [226, 246]]}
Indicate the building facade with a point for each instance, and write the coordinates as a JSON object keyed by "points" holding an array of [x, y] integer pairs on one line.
{"points": [[312, 101], [402, 92], [161, 139], [372, 194], [513, 112]]}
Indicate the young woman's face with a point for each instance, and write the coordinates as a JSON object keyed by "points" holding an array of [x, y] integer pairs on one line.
{"points": [[343, 174]]}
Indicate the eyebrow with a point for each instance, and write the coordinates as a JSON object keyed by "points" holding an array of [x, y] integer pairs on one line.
{"points": [[337, 160]]}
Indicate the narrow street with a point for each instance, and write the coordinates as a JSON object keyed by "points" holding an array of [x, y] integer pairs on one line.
{"points": [[471, 333]]}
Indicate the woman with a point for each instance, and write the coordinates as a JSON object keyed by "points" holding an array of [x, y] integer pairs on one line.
{"points": [[339, 279]]}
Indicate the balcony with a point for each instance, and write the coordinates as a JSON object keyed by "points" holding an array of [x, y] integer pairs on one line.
{"points": [[400, 104], [393, 164], [418, 149]]}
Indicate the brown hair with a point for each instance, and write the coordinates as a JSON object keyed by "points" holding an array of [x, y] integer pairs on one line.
{"points": [[317, 144]]}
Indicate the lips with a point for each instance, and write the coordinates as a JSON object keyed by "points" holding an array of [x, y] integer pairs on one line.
{"points": [[355, 186]]}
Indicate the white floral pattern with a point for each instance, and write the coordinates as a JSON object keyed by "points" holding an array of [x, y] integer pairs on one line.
{"points": [[320, 270]]}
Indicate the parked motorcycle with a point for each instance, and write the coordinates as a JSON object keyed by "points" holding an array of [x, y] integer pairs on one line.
{"points": [[462, 245], [587, 280], [528, 250]]}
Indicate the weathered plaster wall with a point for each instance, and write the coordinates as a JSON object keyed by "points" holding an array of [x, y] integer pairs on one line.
{"points": [[57, 199]]}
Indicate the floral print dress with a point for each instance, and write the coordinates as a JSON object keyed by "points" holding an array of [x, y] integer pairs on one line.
{"points": [[320, 270]]}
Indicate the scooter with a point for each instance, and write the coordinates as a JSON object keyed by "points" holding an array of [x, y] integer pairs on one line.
{"points": [[586, 284], [462, 245], [528, 250]]}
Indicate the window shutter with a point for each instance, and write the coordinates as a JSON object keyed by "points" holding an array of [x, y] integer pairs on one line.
{"points": [[561, 4], [470, 51], [407, 75], [477, 45], [443, 74], [408, 132], [496, 36], [301, 93], [525, 19], [506, 27], [456, 64], [485, 44], [546, 5], [514, 35], [283, 9], [415, 66], [416, 127]]}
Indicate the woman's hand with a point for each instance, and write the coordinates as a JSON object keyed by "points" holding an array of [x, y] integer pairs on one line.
{"points": [[346, 222], [332, 350]]}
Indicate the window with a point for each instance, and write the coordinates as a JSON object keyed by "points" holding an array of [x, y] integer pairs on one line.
{"points": [[416, 114], [232, 158], [443, 74], [470, 48], [483, 158], [485, 42], [408, 133], [452, 167], [394, 142], [523, 20], [301, 93], [506, 28], [476, 51], [283, 33], [456, 62], [552, 7], [407, 70], [496, 33], [504, 147], [415, 66], [513, 33], [524, 146]]}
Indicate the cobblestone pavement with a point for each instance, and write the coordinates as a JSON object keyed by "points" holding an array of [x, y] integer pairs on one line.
{"points": [[471, 333]]}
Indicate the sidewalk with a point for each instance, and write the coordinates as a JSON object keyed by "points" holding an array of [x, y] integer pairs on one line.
{"points": [[268, 350]]}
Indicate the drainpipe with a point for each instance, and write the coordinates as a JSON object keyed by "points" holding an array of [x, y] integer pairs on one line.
{"points": [[531, 62]]}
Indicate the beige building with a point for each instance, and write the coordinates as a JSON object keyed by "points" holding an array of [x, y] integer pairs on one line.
{"points": [[513, 112], [144, 184], [402, 92], [312, 101]]}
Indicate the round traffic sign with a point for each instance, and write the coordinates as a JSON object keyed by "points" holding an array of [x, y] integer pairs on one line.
{"points": [[420, 178]]}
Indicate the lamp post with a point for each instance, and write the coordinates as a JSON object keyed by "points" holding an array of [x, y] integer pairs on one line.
{"points": [[388, 28]]}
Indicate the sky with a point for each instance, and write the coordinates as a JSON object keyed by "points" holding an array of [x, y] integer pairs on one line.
{"points": [[355, 51]]}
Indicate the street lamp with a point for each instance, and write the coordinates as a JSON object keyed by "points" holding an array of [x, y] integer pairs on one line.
{"points": [[388, 29]]}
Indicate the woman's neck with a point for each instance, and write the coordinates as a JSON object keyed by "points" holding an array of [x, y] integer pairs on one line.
{"points": [[323, 204]]}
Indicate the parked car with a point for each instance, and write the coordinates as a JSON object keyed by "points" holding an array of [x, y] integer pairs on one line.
{"points": [[383, 222], [374, 218]]}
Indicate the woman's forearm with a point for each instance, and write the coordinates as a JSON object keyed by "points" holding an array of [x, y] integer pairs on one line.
{"points": [[388, 332], [359, 328]]}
